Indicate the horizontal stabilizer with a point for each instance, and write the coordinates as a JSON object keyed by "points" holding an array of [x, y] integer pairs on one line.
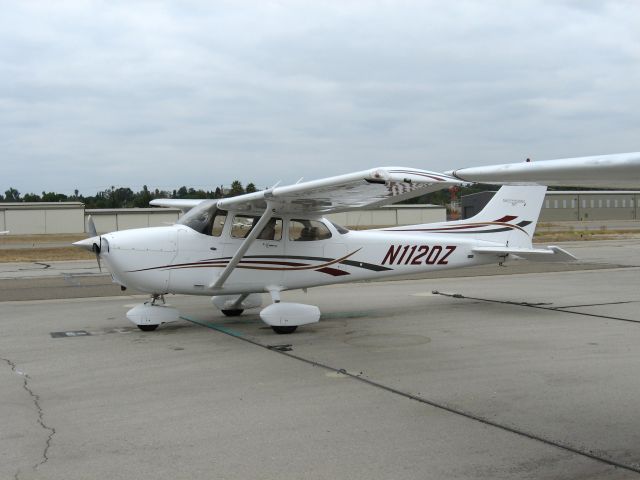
{"points": [[548, 254]]}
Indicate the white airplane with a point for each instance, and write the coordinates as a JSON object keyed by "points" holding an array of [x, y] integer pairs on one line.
{"points": [[238, 248]]}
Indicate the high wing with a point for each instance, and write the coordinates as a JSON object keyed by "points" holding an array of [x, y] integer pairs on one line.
{"points": [[368, 188], [183, 204], [603, 171]]}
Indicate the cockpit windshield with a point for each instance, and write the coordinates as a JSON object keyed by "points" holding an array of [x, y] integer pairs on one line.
{"points": [[341, 230], [200, 217]]}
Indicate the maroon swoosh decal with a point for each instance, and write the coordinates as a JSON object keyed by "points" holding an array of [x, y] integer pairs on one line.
{"points": [[469, 228], [332, 271], [247, 264], [506, 218]]}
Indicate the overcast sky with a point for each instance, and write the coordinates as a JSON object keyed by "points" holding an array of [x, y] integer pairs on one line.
{"points": [[94, 94]]}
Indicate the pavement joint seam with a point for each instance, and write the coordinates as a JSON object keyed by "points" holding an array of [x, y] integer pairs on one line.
{"points": [[597, 304], [538, 306], [410, 396], [37, 403]]}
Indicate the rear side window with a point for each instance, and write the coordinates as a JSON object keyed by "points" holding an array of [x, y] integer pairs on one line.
{"points": [[308, 231]]}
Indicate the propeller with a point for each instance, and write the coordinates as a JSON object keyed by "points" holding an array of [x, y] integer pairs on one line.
{"points": [[94, 242], [91, 227], [96, 247]]}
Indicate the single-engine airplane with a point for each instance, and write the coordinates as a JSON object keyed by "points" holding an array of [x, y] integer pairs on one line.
{"points": [[235, 249]]}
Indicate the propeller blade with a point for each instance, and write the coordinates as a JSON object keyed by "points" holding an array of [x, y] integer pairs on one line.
{"points": [[97, 250], [91, 227]]}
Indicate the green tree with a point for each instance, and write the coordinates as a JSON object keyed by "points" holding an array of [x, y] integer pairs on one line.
{"points": [[53, 197], [236, 188], [12, 195], [142, 198], [181, 193], [251, 188], [122, 197], [32, 197]]}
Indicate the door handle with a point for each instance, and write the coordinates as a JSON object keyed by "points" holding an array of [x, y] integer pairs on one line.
{"points": [[267, 244]]}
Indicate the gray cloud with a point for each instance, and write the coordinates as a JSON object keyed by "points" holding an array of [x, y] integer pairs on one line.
{"points": [[120, 93]]}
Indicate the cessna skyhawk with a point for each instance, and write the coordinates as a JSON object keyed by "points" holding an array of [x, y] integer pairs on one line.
{"points": [[235, 249]]}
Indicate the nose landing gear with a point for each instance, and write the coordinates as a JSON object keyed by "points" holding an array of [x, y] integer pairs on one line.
{"points": [[149, 315]]}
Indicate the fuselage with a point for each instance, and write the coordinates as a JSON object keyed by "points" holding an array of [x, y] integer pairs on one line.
{"points": [[179, 259]]}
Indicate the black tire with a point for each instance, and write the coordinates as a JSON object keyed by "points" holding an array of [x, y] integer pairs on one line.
{"points": [[233, 313], [284, 330], [147, 328]]}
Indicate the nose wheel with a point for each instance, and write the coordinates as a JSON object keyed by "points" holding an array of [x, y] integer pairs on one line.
{"points": [[284, 330], [147, 328], [151, 314]]}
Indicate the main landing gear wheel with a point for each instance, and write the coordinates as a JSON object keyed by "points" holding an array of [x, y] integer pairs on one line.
{"points": [[284, 330], [233, 313], [147, 328]]}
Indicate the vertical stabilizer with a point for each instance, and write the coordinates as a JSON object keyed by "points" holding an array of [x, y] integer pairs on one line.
{"points": [[512, 214], [509, 219]]}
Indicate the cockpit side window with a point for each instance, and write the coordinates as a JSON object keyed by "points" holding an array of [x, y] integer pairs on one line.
{"points": [[243, 224], [218, 223], [308, 230]]}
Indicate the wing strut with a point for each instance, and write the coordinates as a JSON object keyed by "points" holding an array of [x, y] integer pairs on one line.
{"points": [[255, 231]]}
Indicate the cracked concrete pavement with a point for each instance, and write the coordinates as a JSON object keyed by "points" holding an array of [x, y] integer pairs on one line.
{"points": [[188, 401], [16, 425]]}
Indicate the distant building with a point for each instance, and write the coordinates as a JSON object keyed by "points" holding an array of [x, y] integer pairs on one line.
{"points": [[69, 217], [471, 204], [571, 205], [22, 218]]}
